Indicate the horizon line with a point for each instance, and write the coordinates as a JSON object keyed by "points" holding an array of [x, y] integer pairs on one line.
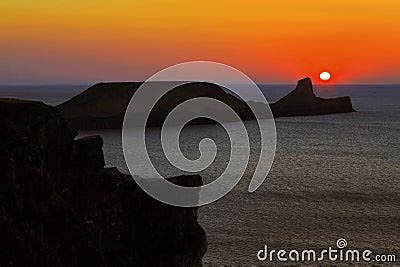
{"points": [[136, 81]]}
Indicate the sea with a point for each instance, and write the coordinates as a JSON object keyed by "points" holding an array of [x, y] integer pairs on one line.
{"points": [[333, 177]]}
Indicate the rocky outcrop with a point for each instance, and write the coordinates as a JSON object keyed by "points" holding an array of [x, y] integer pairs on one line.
{"points": [[303, 102], [59, 205], [103, 105]]}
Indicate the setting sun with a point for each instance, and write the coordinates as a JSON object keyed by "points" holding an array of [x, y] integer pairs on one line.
{"points": [[325, 76]]}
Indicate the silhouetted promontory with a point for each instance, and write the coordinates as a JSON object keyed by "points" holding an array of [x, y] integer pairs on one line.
{"points": [[59, 205], [303, 102], [103, 105]]}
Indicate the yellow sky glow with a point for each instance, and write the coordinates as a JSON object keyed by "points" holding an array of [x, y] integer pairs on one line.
{"points": [[272, 41]]}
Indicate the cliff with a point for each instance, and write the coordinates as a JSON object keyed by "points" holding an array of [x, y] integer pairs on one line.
{"points": [[59, 205], [103, 105]]}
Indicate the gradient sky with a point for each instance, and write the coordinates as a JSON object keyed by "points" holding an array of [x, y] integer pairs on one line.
{"points": [[68, 41]]}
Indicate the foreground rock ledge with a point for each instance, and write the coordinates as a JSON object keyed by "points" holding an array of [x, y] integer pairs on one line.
{"points": [[59, 206]]}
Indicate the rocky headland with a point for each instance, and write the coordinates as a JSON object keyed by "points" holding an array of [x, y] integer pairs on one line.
{"points": [[59, 205], [302, 101], [103, 105]]}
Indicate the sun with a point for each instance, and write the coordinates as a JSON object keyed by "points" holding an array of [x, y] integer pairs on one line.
{"points": [[325, 76]]}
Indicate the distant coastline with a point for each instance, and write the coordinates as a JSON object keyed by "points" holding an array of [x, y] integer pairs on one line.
{"points": [[55, 94], [103, 105]]}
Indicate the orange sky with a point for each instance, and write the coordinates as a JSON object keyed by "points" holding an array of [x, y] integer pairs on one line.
{"points": [[68, 41]]}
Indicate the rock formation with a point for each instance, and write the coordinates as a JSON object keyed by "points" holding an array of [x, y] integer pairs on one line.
{"points": [[303, 102], [59, 205], [103, 105]]}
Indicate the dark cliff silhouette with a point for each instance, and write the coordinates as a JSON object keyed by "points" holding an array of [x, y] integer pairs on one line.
{"points": [[303, 102], [103, 105], [59, 205]]}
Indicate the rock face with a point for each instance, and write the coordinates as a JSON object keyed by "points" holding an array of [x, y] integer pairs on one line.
{"points": [[59, 206], [303, 102], [103, 105]]}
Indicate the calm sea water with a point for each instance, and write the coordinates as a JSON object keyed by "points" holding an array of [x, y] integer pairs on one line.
{"points": [[50, 94], [334, 176]]}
